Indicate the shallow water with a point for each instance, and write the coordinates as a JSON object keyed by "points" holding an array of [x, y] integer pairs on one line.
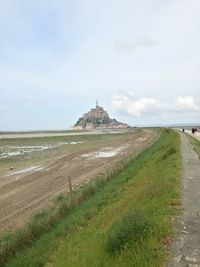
{"points": [[104, 154], [21, 150], [30, 169]]}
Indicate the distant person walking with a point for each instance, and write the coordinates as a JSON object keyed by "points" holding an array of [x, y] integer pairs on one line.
{"points": [[194, 130], [183, 130]]}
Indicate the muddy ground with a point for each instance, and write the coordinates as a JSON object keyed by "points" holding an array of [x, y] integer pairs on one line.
{"points": [[25, 190]]}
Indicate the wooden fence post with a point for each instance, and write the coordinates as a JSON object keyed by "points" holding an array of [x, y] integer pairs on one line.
{"points": [[105, 170], [70, 184]]}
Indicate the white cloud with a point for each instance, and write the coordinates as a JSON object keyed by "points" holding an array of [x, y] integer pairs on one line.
{"points": [[128, 45], [126, 104], [186, 103]]}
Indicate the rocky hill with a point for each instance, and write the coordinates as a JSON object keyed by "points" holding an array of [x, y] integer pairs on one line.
{"points": [[97, 118]]}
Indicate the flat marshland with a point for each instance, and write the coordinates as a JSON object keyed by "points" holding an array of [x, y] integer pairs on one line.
{"points": [[122, 218], [33, 171]]}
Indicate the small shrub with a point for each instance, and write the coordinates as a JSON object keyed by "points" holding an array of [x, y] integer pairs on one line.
{"points": [[60, 198], [169, 152], [128, 230], [167, 130]]}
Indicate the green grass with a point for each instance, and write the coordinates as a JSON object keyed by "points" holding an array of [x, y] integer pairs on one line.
{"points": [[132, 211], [129, 230], [195, 143]]}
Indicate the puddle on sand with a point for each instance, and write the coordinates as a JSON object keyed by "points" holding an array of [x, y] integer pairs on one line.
{"points": [[30, 169], [21, 150], [10, 154], [141, 139], [106, 154], [103, 154]]}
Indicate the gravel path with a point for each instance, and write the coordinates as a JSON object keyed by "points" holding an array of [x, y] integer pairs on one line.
{"points": [[195, 135], [185, 249]]}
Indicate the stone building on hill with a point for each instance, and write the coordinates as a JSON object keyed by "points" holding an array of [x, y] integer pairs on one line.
{"points": [[95, 113], [97, 118]]}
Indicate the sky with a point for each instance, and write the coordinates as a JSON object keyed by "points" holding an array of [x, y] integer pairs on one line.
{"points": [[140, 59]]}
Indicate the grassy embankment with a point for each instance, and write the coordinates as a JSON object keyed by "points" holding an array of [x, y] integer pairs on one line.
{"points": [[124, 221], [195, 143]]}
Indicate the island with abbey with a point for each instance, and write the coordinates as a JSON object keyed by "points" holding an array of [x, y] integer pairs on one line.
{"points": [[97, 118]]}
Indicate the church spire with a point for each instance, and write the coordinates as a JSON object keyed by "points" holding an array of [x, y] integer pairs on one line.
{"points": [[97, 104]]}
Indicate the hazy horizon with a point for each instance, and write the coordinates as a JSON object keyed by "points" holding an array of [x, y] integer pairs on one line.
{"points": [[189, 125]]}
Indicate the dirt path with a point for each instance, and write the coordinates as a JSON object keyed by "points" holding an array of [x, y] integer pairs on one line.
{"points": [[186, 246], [195, 135], [22, 194]]}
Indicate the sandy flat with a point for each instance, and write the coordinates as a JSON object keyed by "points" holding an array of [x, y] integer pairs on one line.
{"points": [[28, 189]]}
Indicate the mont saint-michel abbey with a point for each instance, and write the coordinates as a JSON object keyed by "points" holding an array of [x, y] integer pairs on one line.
{"points": [[97, 118], [96, 113]]}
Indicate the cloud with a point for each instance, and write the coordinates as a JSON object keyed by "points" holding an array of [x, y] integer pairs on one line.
{"points": [[130, 106], [186, 103], [29, 101], [126, 104], [128, 45]]}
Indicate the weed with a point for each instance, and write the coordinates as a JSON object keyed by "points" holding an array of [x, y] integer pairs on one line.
{"points": [[170, 151], [128, 230], [167, 130]]}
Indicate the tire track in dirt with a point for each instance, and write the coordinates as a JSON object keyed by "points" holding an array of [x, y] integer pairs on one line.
{"points": [[24, 194]]}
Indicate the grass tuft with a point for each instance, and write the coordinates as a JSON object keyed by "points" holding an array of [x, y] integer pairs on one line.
{"points": [[170, 151], [129, 229]]}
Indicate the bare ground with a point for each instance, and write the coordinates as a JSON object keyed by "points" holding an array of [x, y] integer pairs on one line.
{"points": [[195, 135], [185, 248], [23, 194]]}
